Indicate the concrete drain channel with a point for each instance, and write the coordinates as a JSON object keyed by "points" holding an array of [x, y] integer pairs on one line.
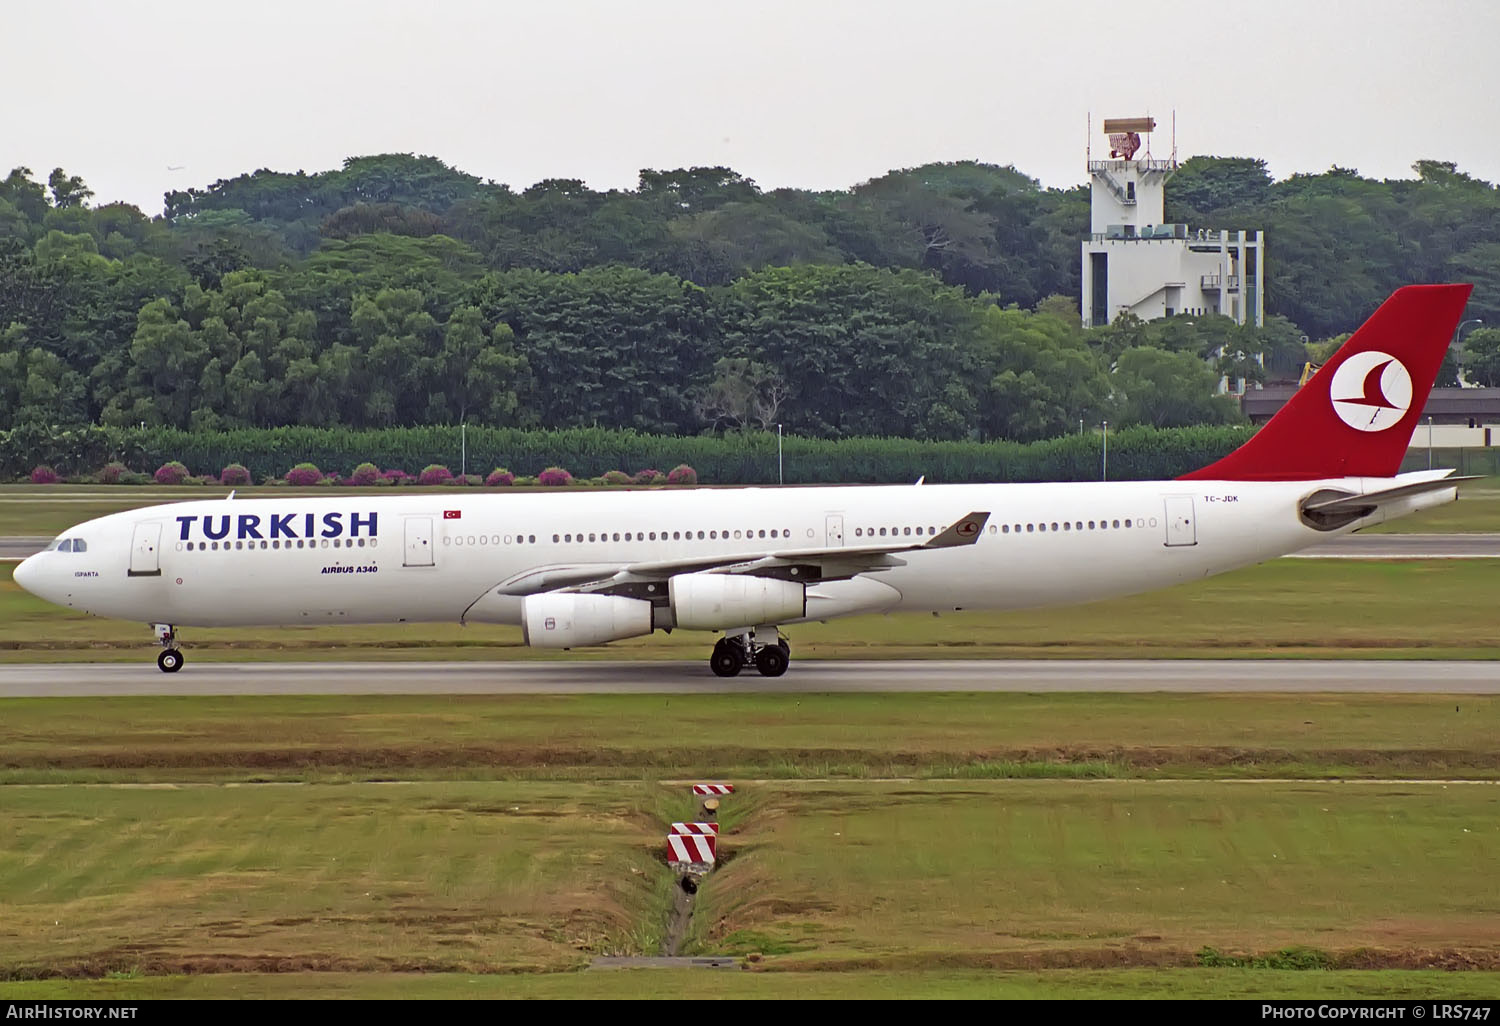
{"points": [[691, 854]]}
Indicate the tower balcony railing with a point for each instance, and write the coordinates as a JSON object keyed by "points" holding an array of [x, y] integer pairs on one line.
{"points": [[1144, 164], [1229, 282]]}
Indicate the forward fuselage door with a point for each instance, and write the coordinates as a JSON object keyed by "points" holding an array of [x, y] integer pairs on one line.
{"points": [[835, 530], [418, 542], [1182, 525], [145, 550]]}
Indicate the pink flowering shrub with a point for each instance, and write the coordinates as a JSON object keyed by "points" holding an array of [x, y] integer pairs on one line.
{"points": [[234, 474], [395, 477], [616, 477], [500, 478], [682, 474], [304, 474], [433, 474], [646, 477], [44, 475], [554, 477], [365, 474], [113, 473], [173, 473]]}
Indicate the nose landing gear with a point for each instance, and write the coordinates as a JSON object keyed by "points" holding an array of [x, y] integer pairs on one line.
{"points": [[170, 659], [763, 646]]}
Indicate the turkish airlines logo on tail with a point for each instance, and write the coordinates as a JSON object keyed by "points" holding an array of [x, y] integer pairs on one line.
{"points": [[1371, 391]]}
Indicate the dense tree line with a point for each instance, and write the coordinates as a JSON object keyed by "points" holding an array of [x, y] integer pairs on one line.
{"points": [[935, 302]]}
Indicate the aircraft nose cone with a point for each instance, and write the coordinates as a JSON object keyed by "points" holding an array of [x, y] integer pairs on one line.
{"points": [[25, 574]]}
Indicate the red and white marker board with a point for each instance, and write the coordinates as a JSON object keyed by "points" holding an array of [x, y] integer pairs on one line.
{"points": [[691, 848], [713, 789], [696, 828]]}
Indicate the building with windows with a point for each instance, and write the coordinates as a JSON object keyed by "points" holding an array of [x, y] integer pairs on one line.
{"points": [[1134, 263]]}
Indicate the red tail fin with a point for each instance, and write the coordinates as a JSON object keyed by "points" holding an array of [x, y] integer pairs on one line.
{"points": [[1355, 417]]}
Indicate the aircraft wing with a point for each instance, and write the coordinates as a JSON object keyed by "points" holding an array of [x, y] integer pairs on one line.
{"points": [[831, 562]]}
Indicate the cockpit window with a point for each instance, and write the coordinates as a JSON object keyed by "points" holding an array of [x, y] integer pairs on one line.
{"points": [[79, 545], [54, 544], [66, 545]]}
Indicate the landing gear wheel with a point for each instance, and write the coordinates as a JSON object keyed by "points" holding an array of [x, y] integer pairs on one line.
{"points": [[772, 661], [170, 660], [725, 661]]}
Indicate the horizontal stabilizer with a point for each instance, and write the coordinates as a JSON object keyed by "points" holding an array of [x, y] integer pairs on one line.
{"points": [[1361, 505]]}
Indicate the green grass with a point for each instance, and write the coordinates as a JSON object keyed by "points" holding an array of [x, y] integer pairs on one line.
{"points": [[679, 984], [444, 876], [1031, 874], [965, 735], [402, 855], [1428, 609]]}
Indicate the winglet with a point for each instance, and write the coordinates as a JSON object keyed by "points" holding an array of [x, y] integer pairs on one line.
{"points": [[965, 532]]}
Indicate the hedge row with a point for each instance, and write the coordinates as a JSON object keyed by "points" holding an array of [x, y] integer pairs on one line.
{"points": [[1135, 453]]}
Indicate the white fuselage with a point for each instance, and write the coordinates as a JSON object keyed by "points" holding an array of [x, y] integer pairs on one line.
{"points": [[445, 556]]}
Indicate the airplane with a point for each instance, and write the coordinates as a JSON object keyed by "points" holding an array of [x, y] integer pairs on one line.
{"points": [[586, 568]]}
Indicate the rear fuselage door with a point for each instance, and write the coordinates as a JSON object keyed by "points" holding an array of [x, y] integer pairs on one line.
{"points": [[1182, 525], [145, 550], [418, 542]]}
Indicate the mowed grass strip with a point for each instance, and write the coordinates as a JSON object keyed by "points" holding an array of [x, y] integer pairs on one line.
{"points": [[963, 735], [697, 984], [1287, 608], [364, 877], [1029, 875]]}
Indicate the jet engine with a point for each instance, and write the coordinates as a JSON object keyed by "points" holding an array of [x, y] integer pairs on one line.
{"points": [[566, 620], [708, 602]]}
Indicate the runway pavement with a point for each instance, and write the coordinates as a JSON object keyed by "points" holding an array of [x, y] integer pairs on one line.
{"points": [[18, 548], [1353, 546], [686, 678]]}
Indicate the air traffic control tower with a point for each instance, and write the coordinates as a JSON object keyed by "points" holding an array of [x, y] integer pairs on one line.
{"points": [[1134, 263]]}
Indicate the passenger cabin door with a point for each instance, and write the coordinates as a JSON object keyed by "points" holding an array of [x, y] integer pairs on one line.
{"points": [[835, 530], [1182, 527], [418, 542], [145, 550]]}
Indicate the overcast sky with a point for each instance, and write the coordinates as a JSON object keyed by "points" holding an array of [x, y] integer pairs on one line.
{"points": [[810, 93]]}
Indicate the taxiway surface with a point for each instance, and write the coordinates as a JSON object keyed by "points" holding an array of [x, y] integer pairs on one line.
{"points": [[580, 677]]}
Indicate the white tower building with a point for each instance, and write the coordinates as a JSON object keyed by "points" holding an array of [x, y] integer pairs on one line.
{"points": [[1134, 263]]}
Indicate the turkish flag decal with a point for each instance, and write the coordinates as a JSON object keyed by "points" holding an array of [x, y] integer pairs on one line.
{"points": [[453, 514]]}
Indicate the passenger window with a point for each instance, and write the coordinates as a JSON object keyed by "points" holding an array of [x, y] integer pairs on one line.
{"points": [[554, 539], [992, 529], [1030, 528], [762, 533], [1091, 525], [1005, 529], [736, 535], [1054, 525], [591, 536], [530, 539], [1127, 521], [1117, 523], [1041, 527], [1066, 526], [906, 531]]}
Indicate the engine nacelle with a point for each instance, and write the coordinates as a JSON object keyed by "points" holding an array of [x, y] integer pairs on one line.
{"points": [[568, 620], [707, 602]]}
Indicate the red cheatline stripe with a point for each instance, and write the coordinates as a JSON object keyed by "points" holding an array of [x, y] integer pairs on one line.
{"points": [[695, 828]]}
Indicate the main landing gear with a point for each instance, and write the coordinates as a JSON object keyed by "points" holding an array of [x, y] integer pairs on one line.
{"points": [[763, 646], [170, 659]]}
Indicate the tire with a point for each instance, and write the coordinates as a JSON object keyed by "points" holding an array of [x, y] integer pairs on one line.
{"points": [[785, 647], [170, 660], [725, 661], [771, 661]]}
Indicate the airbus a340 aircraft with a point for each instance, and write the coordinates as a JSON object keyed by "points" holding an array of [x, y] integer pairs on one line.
{"points": [[585, 568]]}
